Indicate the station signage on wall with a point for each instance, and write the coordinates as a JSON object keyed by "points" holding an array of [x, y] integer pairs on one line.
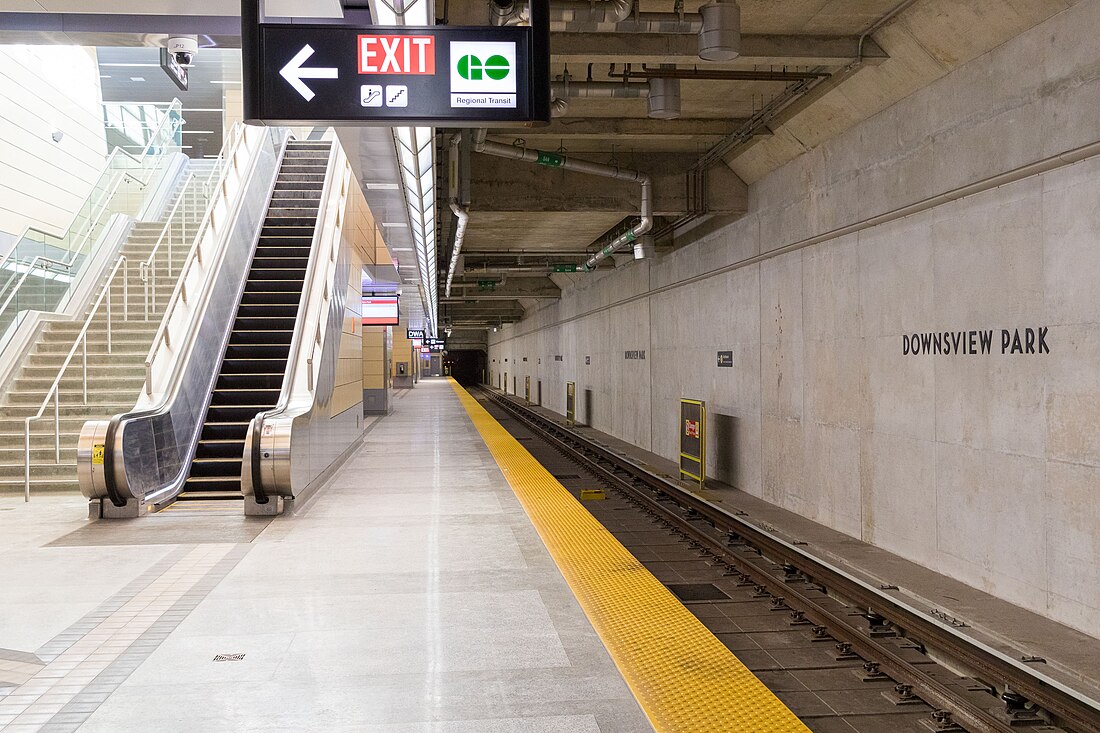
{"points": [[438, 75], [1007, 341]]}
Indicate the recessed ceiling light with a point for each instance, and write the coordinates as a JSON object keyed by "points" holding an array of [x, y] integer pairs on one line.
{"points": [[381, 186], [394, 224], [137, 78], [402, 249], [224, 81]]}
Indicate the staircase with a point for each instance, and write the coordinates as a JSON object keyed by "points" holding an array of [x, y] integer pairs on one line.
{"points": [[251, 373], [114, 379]]}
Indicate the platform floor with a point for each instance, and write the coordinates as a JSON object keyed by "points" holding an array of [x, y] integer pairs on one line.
{"points": [[413, 594]]}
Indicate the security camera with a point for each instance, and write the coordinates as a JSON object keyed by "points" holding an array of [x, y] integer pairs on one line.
{"points": [[184, 48]]}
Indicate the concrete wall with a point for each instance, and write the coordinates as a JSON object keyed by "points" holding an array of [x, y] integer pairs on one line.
{"points": [[44, 89], [985, 467]]}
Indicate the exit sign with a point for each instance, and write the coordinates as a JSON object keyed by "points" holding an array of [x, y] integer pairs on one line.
{"points": [[566, 267], [396, 54], [313, 74]]}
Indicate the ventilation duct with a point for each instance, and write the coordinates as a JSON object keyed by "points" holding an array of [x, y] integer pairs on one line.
{"points": [[557, 160], [720, 36], [664, 97], [607, 89], [645, 248]]}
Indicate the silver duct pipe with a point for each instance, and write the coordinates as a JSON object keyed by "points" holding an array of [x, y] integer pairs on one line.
{"points": [[645, 223], [720, 35], [557, 160], [583, 15], [636, 23], [605, 89], [508, 12], [564, 14], [461, 212], [718, 23], [645, 248], [663, 94], [664, 97]]}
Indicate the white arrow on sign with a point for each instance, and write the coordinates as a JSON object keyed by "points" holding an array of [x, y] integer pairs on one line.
{"points": [[294, 73]]}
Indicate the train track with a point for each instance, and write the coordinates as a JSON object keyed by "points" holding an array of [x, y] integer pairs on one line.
{"points": [[950, 681]]}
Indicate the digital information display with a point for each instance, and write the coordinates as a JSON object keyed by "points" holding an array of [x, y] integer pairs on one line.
{"points": [[380, 310], [446, 76]]}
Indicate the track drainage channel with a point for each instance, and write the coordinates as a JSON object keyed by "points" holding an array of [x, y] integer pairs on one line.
{"points": [[690, 592]]}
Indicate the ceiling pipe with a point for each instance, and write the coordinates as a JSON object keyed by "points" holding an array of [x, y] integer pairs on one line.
{"points": [[717, 23], [720, 36], [462, 213], [604, 89], [538, 254], [663, 94], [564, 14], [487, 269], [631, 235], [663, 102], [671, 71], [557, 160]]}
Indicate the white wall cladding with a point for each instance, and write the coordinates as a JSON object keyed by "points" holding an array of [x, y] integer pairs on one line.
{"points": [[983, 467], [44, 89]]}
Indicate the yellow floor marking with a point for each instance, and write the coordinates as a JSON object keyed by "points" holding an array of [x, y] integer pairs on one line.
{"points": [[683, 677]]}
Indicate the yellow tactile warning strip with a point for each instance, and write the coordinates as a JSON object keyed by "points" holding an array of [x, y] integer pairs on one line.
{"points": [[684, 678]]}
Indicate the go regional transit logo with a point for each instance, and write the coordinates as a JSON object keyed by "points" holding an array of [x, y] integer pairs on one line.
{"points": [[483, 74]]}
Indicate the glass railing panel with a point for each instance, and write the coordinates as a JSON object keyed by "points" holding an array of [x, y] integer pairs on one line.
{"points": [[28, 282]]}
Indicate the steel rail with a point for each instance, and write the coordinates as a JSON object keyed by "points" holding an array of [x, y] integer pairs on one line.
{"points": [[1071, 709], [105, 171], [54, 391], [194, 255], [150, 262]]}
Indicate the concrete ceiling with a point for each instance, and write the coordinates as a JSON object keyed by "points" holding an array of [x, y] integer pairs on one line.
{"points": [[748, 128], [737, 131]]}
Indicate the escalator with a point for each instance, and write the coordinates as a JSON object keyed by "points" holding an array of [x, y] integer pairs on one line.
{"points": [[255, 359]]}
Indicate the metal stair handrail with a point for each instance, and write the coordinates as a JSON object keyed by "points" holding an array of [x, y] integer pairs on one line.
{"points": [[81, 339], [163, 338], [65, 264], [54, 391], [106, 172], [149, 265]]}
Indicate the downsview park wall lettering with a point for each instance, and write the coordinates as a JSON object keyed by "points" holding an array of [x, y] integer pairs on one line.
{"points": [[979, 342]]}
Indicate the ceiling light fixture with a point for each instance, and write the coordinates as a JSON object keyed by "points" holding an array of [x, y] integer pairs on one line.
{"points": [[381, 186]]}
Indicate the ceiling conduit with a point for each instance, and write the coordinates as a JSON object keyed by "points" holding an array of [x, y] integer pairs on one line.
{"points": [[462, 213], [663, 94], [717, 23], [557, 160]]}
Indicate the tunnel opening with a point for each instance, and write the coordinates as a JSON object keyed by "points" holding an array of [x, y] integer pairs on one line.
{"points": [[467, 367]]}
